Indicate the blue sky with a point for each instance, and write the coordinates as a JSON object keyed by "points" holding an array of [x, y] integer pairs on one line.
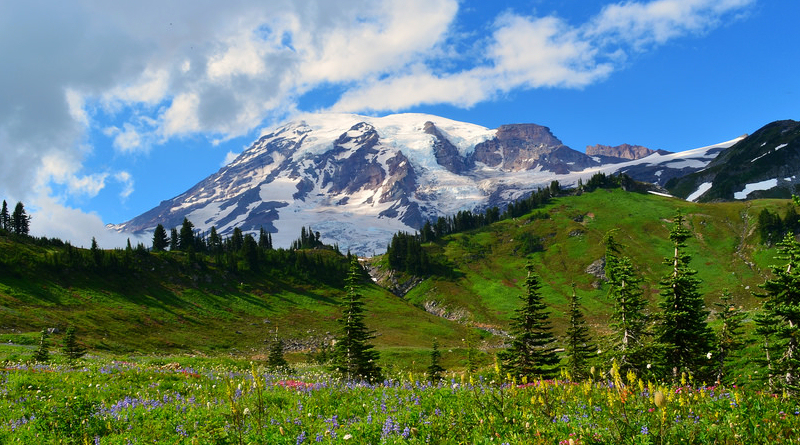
{"points": [[108, 108]]}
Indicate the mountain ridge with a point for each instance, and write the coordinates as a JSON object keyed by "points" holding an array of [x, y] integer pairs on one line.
{"points": [[349, 175]]}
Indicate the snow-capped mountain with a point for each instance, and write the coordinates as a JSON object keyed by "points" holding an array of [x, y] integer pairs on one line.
{"points": [[765, 164], [358, 180]]}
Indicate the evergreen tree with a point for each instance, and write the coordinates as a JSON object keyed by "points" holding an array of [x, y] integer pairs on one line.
{"points": [[186, 236], [579, 350], [684, 333], [729, 336], [160, 239], [531, 352], [628, 318], [264, 240], [766, 327], [97, 254], [214, 241], [275, 360], [782, 307], [472, 352], [42, 353], [435, 370], [353, 356], [173, 239], [72, 350], [20, 221], [5, 218]]}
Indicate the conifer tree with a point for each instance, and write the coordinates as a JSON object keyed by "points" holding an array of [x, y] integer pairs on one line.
{"points": [[275, 360], [353, 356], [684, 333], [782, 307], [435, 369], [531, 352], [173, 239], [579, 349], [729, 336], [20, 221], [160, 239], [628, 318], [186, 236], [72, 350], [42, 353], [5, 218]]}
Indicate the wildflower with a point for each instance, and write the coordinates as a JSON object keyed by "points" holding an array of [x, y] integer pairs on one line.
{"points": [[301, 438], [709, 355], [659, 400], [644, 430], [347, 436]]}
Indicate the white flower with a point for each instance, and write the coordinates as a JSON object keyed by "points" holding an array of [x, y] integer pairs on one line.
{"points": [[347, 436], [649, 365], [246, 412], [709, 356]]}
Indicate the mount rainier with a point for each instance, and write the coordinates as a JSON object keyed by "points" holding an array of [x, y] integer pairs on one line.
{"points": [[358, 180]]}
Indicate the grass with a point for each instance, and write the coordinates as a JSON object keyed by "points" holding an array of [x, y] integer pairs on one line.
{"points": [[113, 401]]}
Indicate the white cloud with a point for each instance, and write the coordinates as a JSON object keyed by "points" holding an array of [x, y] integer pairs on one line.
{"points": [[222, 70], [126, 180], [51, 218], [229, 157]]}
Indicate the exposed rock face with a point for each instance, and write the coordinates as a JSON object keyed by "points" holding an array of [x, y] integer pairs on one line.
{"points": [[624, 151], [518, 147], [446, 153]]}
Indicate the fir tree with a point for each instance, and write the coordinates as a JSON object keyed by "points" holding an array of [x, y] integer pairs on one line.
{"points": [[42, 353], [353, 356], [275, 360], [5, 218], [160, 239], [684, 333], [628, 318], [173, 239], [531, 352], [20, 221], [72, 350], [186, 236], [214, 241], [435, 370], [782, 307], [579, 350], [472, 352], [729, 336]]}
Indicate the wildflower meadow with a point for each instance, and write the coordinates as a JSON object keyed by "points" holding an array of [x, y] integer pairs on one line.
{"points": [[100, 401]]}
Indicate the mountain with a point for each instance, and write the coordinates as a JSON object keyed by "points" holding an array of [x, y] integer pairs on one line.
{"points": [[765, 164], [358, 180], [621, 153]]}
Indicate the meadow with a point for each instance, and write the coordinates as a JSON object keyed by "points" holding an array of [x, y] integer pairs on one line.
{"points": [[223, 401]]}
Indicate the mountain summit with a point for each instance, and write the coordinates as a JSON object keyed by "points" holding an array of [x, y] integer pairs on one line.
{"points": [[358, 180]]}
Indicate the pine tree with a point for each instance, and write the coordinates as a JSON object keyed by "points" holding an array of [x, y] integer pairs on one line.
{"points": [[782, 307], [173, 239], [353, 356], [435, 370], [160, 239], [186, 236], [684, 333], [531, 352], [20, 221], [42, 353], [729, 336], [72, 350], [579, 350], [628, 318], [275, 360], [5, 218]]}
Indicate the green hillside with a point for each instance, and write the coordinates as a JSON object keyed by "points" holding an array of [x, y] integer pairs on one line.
{"points": [[488, 264], [137, 301], [172, 302]]}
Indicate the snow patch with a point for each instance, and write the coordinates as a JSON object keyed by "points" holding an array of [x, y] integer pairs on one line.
{"points": [[699, 192], [763, 185], [780, 146]]}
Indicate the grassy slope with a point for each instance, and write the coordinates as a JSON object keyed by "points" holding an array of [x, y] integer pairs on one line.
{"points": [[169, 306], [490, 264]]}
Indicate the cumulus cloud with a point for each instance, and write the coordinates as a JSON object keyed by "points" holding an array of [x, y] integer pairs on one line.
{"points": [[163, 70]]}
